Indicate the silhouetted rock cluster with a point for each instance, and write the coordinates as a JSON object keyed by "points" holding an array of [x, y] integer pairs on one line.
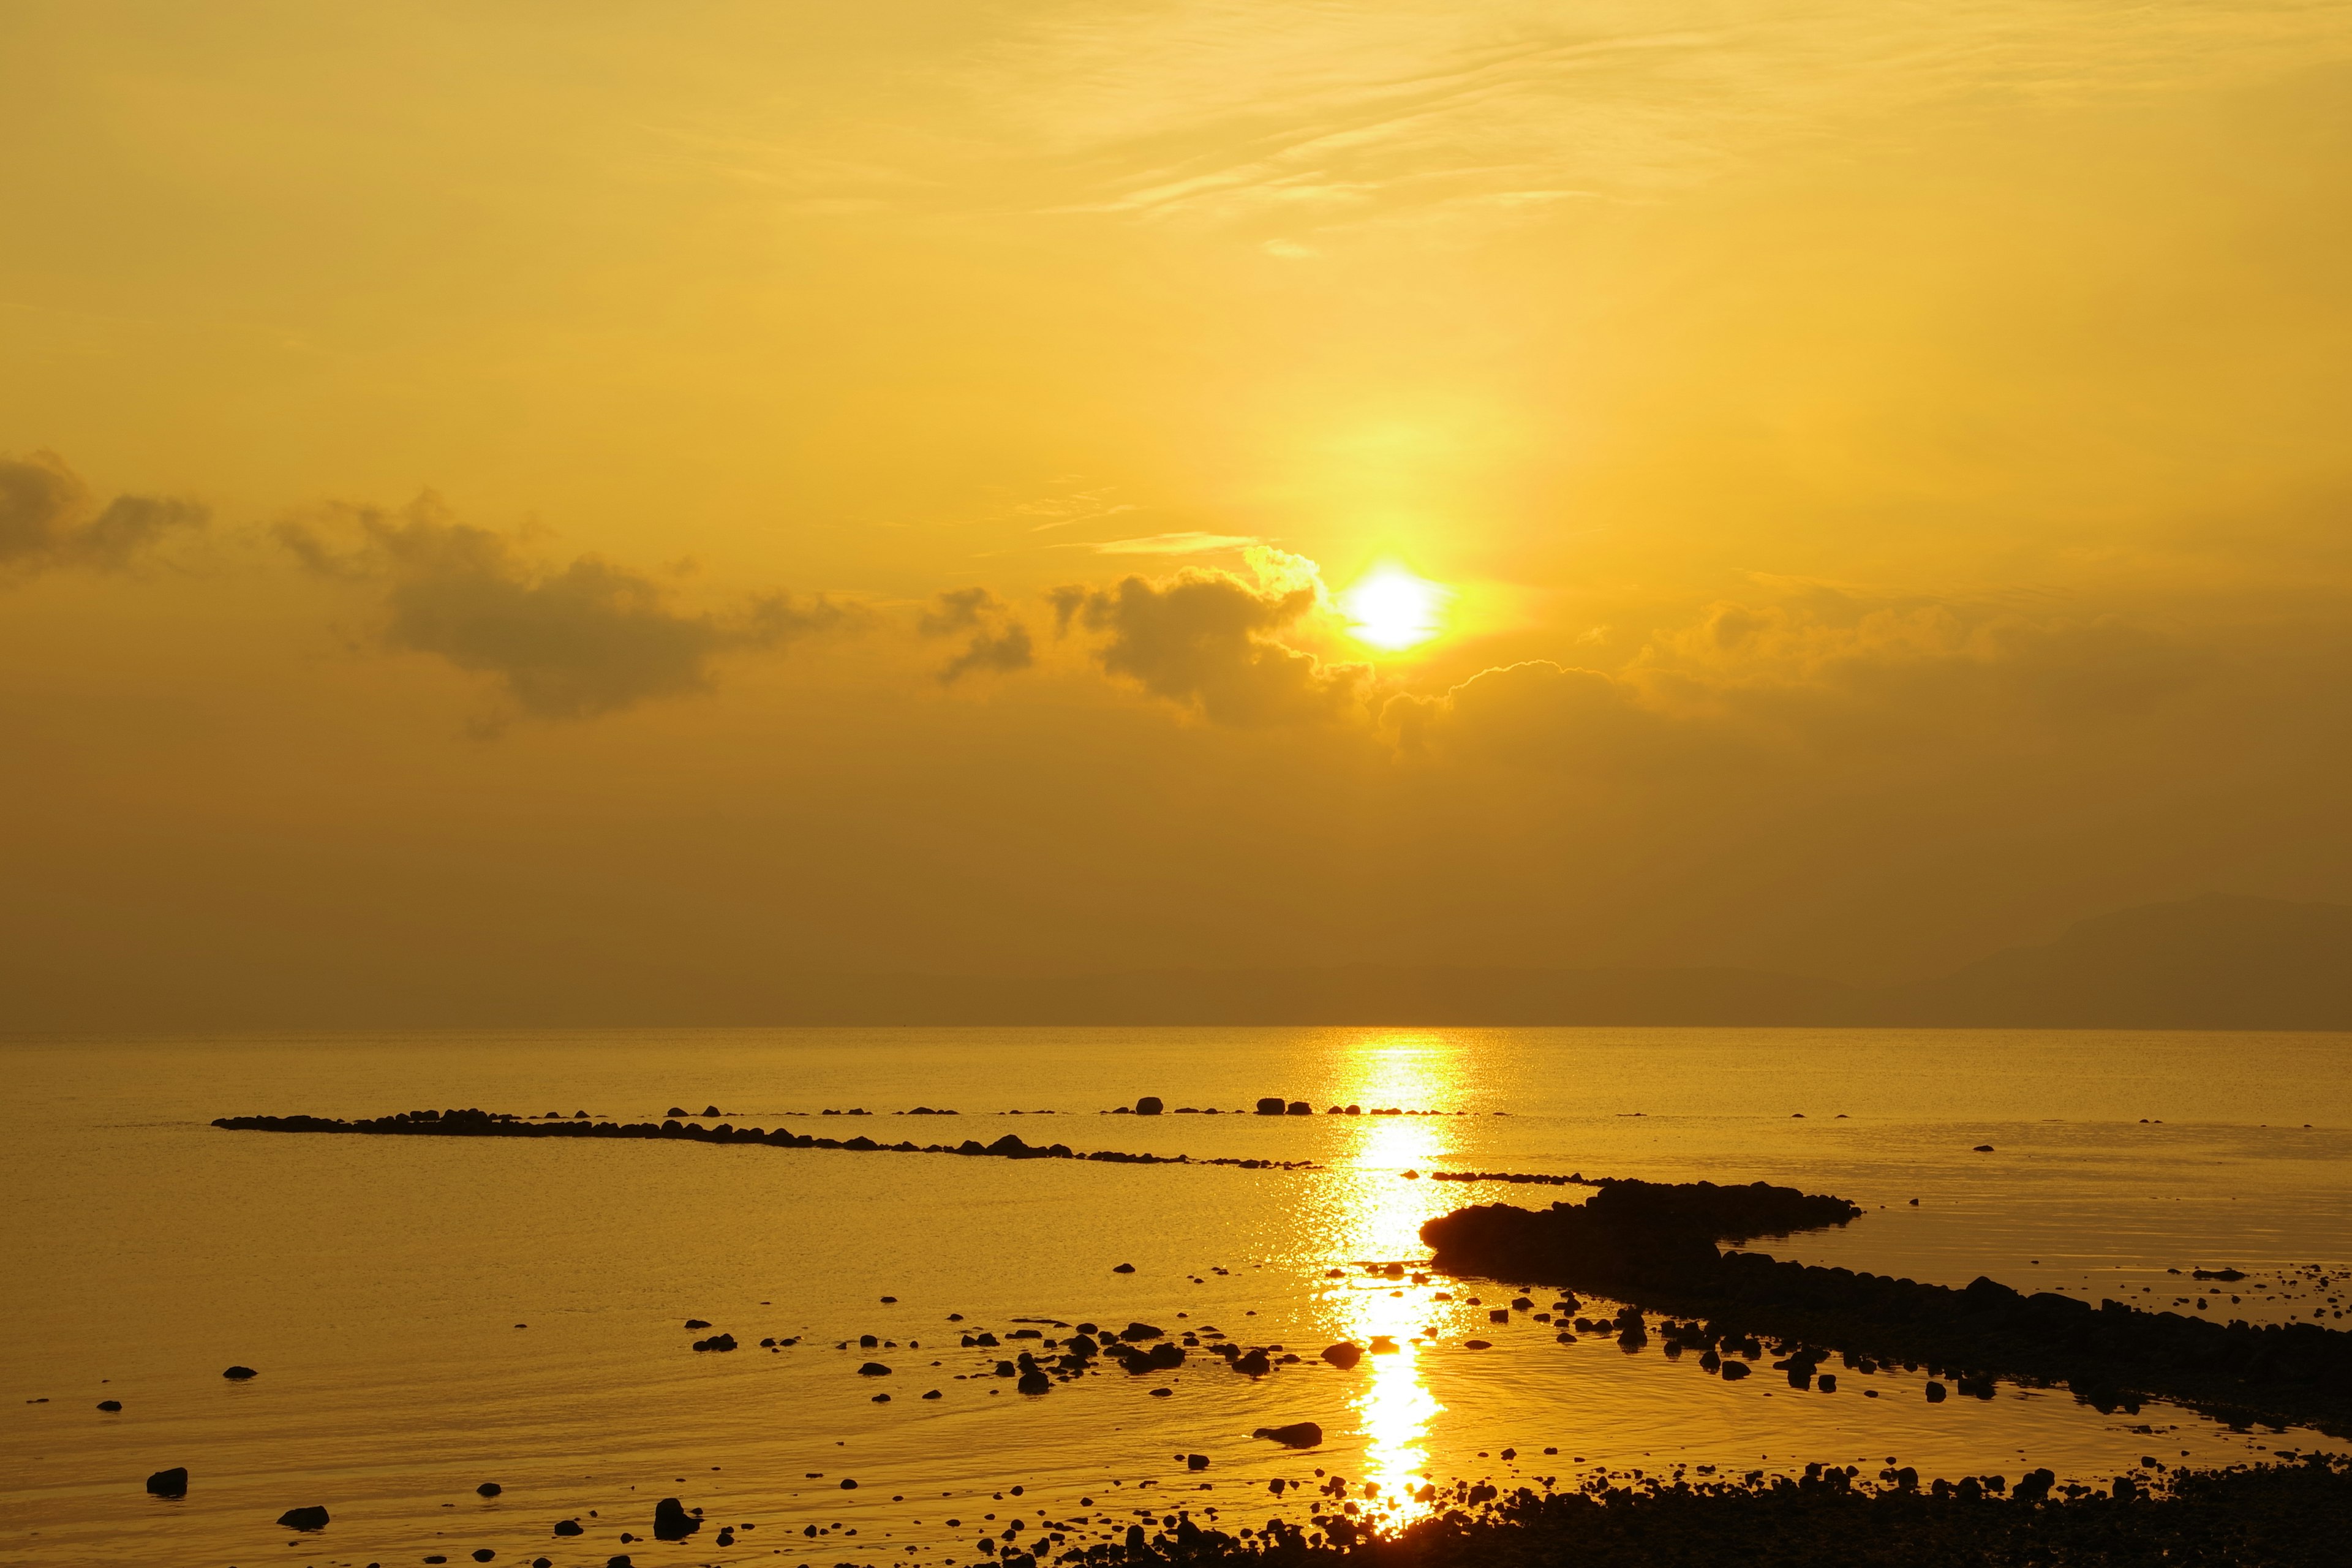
{"points": [[478, 1123]]}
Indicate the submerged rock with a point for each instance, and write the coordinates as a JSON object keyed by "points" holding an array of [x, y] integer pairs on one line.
{"points": [[1297, 1434], [312, 1518], [239, 1373], [1343, 1355], [172, 1482]]}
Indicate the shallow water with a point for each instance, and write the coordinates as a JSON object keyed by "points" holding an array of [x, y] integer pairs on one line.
{"points": [[378, 1284]]}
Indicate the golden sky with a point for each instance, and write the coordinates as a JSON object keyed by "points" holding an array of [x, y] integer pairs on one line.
{"points": [[618, 503]]}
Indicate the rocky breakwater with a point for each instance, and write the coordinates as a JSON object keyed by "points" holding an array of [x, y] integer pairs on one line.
{"points": [[1654, 1246], [474, 1122]]}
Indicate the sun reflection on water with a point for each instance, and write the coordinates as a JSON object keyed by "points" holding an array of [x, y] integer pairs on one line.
{"points": [[1379, 1223]]}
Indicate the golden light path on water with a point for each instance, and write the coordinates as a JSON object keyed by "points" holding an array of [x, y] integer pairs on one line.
{"points": [[1381, 1222]]}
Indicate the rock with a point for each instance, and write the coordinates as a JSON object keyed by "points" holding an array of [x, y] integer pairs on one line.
{"points": [[1343, 1355], [303, 1519], [1149, 1106], [873, 1369], [239, 1373], [1033, 1382], [1983, 1149], [1827, 1382], [672, 1523], [1477, 1345], [1124, 1268], [618, 1559], [1297, 1434], [483, 1554], [1196, 1461], [1936, 1393], [567, 1527], [172, 1482], [488, 1488], [710, 1111], [1733, 1370], [696, 1323], [1272, 1105], [868, 1341], [1498, 1315], [676, 1111], [109, 1405], [1254, 1364], [934, 1393], [1134, 1331]]}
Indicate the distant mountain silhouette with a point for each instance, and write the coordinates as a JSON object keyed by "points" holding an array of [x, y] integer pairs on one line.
{"points": [[1377, 994], [2211, 962]]}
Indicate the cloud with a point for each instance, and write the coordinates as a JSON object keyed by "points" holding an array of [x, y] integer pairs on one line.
{"points": [[570, 641], [1205, 639], [999, 643], [1829, 676], [49, 519], [1187, 543]]}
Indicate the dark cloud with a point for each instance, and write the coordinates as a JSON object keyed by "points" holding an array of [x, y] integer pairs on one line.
{"points": [[569, 641], [49, 519], [1205, 639], [999, 644]]}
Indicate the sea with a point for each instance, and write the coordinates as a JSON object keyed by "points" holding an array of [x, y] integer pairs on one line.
{"points": [[462, 1345]]}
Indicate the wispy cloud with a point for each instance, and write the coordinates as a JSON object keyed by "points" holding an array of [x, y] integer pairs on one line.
{"points": [[1184, 543]]}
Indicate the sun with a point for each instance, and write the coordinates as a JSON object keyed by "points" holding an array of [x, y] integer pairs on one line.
{"points": [[1390, 608]]}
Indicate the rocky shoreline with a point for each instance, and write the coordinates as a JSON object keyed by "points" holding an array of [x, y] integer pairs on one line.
{"points": [[2272, 1516]]}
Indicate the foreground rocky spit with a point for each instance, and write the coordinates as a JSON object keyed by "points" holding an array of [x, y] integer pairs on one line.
{"points": [[1655, 1246]]}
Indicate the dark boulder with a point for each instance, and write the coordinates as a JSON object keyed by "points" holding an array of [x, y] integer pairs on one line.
{"points": [[1149, 1105], [672, 1522], [1254, 1364], [873, 1369], [239, 1373], [567, 1527], [303, 1519], [109, 1405], [1272, 1105], [1343, 1355], [1033, 1380], [1196, 1461], [172, 1482], [1297, 1434], [488, 1488]]}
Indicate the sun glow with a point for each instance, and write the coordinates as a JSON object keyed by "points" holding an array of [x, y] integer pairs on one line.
{"points": [[1389, 607]]}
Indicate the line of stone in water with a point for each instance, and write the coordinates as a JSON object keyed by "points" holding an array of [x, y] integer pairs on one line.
{"points": [[473, 1122]]}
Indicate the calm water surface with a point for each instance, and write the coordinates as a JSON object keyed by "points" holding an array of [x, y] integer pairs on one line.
{"points": [[381, 1285]]}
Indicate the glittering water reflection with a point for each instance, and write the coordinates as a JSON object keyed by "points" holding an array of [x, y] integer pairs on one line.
{"points": [[1379, 1223]]}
